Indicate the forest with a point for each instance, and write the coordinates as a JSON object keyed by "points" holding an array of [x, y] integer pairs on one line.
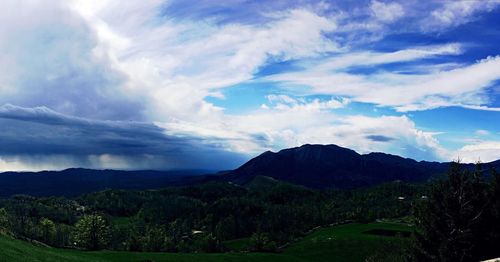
{"points": [[453, 218]]}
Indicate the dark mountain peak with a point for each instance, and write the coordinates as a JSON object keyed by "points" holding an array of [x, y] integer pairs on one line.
{"points": [[327, 166], [306, 165], [268, 152], [314, 153], [304, 156], [318, 147]]}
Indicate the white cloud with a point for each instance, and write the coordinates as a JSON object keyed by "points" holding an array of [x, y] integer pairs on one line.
{"points": [[459, 86], [296, 123], [483, 151], [345, 61], [481, 132], [455, 13], [285, 102], [123, 55], [387, 12], [175, 65]]}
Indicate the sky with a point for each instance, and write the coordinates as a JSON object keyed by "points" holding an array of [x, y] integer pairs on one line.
{"points": [[183, 84]]}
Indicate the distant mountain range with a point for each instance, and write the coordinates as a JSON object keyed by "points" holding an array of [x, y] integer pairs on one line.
{"points": [[316, 166], [77, 181]]}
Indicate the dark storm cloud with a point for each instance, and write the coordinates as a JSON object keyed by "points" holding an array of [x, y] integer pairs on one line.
{"points": [[379, 138], [31, 132], [53, 57]]}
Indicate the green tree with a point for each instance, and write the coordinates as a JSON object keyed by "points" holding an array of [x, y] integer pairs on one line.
{"points": [[4, 219], [91, 232], [63, 235], [495, 209], [454, 225], [48, 231]]}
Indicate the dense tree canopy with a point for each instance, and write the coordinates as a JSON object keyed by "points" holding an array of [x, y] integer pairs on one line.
{"points": [[201, 217], [459, 222]]}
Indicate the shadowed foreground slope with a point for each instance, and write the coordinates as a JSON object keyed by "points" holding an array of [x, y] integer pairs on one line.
{"points": [[340, 243]]}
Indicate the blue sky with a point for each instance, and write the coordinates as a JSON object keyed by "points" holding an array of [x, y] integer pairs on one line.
{"points": [[209, 84]]}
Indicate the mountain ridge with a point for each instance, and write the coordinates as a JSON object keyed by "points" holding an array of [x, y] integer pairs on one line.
{"points": [[76, 181], [310, 165], [332, 166]]}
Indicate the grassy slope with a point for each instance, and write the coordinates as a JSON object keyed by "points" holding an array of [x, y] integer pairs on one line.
{"points": [[344, 242], [16, 250], [240, 244], [341, 243]]}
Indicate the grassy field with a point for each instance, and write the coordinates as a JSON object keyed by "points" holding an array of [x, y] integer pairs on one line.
{"points": [[240, 244], [344, 242], [340, 243]]}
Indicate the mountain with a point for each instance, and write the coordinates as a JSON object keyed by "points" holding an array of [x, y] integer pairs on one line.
{"points": [[77, 181], [331, 166], [315, 166]]}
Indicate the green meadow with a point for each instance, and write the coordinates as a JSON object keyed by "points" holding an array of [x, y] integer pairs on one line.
{"points": [[348, 242]]}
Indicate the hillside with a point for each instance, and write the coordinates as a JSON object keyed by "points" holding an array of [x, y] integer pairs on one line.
{"points": [[341, 242], [327, 166]]}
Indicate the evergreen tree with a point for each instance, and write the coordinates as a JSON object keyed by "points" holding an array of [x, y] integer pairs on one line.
{"points": [[495, 207], [454, 224]]}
